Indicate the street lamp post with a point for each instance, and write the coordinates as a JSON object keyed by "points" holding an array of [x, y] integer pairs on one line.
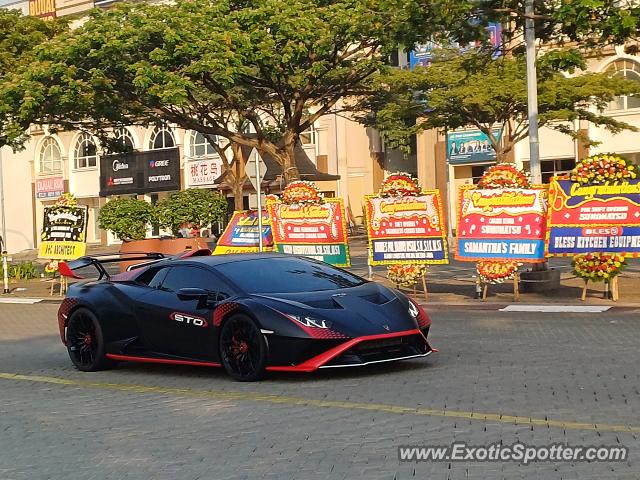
{"points": [[532, 93]]}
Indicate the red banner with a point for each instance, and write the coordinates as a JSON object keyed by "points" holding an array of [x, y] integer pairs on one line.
{"points": [[506, 223]]}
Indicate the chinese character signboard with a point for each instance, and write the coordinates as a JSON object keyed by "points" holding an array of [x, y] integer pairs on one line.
{"points": [[49, 187], [203, 172], [506, 224], [407, 229], [470, 147], [594, 218], [316, 230], [64, 232], [241, 234]]}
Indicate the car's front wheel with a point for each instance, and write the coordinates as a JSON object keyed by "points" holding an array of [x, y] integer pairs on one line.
{"points": [[243, 349], [85, 341]]}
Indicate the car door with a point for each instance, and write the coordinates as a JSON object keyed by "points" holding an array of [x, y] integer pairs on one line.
{"points": [[180, 327]]}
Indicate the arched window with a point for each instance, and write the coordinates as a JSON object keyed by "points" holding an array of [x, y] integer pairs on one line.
{"points": [[161, 138], [200, 146], [630, 70], [50, 159], [85, 153], [124, 135]]}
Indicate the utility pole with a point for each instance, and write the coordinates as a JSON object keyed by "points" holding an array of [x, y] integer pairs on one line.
{"points": [[3, 238], [259, 191], [532, 93]]}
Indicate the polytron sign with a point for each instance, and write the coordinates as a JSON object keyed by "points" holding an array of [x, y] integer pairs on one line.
{"points": [[505, 224], [594, 218]]}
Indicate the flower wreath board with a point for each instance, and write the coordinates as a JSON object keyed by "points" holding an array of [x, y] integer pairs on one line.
{"points": [[594, 216], [64, 230], [305, 223], [241, 234], [406, 227]]}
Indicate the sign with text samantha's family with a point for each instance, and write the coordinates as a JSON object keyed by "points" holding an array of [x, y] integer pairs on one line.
{"points": [[407, 229], [594, 218], [506, 224]]}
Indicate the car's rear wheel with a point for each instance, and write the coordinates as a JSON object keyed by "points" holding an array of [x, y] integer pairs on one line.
{"points": [[85, 341], [243, 349]]}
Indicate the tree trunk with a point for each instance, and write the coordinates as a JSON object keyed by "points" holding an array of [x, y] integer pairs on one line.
{"points": [[287, 158]]}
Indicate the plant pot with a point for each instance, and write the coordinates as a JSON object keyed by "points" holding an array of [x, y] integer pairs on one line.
{"points": [[167, 246]]}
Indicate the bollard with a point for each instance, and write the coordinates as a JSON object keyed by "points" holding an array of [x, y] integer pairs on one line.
{"points": [[5, 272]]}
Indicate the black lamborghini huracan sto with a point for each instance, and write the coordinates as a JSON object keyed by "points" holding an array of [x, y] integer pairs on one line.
{"points": [[249, 313]]}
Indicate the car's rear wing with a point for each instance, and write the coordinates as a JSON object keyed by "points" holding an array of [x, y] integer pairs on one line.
{"points": [[67, 269]]}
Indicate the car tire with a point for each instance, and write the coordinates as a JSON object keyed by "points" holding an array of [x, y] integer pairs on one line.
{"points": [[243, 349], [85, 341]]}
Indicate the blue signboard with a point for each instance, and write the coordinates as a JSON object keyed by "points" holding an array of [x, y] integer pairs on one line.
{"points": [[470, 147]]}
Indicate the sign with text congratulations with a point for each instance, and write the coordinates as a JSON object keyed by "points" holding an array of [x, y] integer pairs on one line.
{"points": [[594, 218], [406, 229], [318, 231], [241, 234], [507, 224], [64, 232]]}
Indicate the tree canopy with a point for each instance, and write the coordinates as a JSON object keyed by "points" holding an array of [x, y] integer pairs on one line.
{"points": [[278, 65], [19, 35], [472, 89]]}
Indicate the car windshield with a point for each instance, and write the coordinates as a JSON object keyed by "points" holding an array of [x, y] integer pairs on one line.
{"points": [[287, 275]]}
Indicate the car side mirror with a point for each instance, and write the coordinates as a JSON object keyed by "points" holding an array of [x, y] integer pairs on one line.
{"points": [[199, 294]]}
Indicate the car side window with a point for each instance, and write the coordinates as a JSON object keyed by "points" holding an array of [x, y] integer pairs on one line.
{"points": [[195, 277], [153, 276]]}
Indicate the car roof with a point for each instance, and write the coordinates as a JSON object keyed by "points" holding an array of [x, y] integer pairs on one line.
{"points": [[213, 260]]}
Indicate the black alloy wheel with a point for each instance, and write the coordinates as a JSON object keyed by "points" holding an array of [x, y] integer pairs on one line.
{"points": [[243, 349], [85, 342]]}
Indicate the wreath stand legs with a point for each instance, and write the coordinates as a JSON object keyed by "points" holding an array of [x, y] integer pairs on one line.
{"points": [[610, 290], [481, 288]]}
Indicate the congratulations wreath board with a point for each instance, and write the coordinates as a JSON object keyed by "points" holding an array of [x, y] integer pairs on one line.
{"points": [[503, 219], [64, 230], [405, 225], [241, 234], [596, 210], [306, 224]]}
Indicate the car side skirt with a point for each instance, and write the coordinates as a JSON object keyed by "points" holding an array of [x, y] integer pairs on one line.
{"points": [[166, 361]]}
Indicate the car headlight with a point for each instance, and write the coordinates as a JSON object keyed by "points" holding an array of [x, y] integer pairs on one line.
{"points": [[310, 321], [418, 314]]}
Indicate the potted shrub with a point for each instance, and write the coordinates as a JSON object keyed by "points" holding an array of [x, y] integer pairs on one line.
{"points": [[190, 209], [128, 219]]}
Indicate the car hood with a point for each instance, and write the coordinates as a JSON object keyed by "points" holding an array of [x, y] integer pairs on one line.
{"points": [[368, 309]]}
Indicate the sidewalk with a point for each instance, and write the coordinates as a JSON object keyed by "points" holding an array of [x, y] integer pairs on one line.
{"points": [[452, 284]]}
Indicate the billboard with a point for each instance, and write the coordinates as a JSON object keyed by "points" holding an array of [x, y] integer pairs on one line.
{"points": [[316, 230], [501, 224], [407, 229], [470, 147], [593, 218]]}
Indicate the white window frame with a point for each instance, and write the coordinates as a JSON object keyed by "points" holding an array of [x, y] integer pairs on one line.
{"points": [[85, 162], [46, 161], [161, 131], [623, 65], [209, 150]]}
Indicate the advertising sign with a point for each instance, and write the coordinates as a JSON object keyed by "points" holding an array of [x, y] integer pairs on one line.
{"points": [[597, 218], [470, 147], [406, 229], [44, 9], [140, 172], [241, 234], [314, 230], [64, 232], [49, 187], [505, 224], [203, 172]]}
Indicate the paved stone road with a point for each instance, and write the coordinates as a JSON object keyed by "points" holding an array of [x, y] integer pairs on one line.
{"points": [[158, 422]]}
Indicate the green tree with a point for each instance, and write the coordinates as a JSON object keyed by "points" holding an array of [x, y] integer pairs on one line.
{"points": [[19, 35], [278, 64], [127, 218], [193, 206], [472, 89]]}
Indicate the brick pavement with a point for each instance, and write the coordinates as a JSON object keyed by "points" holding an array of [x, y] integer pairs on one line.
{"points": [[572, 368]]}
